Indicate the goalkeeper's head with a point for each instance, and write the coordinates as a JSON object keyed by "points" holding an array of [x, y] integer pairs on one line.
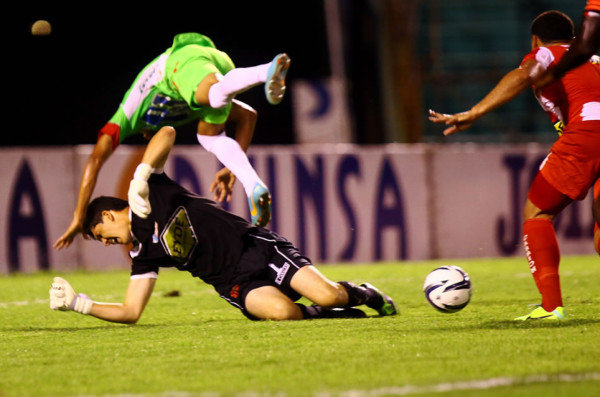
{"points": [[107, 220]]}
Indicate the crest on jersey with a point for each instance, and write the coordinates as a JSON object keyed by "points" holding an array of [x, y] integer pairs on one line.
{"points": [[178, 237]]}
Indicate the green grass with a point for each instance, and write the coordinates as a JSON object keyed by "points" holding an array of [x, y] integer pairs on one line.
{"points": [[198, 345]]}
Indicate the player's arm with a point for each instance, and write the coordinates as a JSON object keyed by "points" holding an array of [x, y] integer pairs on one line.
{"points": [[511, 85], [154, 157], [101, 152], [586, 43], [63, 297], [129, 312]]}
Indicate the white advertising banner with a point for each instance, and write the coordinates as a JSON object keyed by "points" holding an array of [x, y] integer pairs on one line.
{"points": [[337, 202]]}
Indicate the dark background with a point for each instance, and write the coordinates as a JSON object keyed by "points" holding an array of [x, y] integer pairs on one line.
{"points": [[61, 89]]}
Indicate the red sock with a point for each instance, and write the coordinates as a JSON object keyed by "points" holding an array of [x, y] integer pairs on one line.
{"points": [[543, 255]]}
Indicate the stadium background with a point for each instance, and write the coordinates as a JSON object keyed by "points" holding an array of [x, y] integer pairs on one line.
{"points": [[395, 59], [378, 181]]}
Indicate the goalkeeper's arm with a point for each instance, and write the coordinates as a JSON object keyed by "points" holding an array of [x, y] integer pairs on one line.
{"points": [[63, 297], [154, 158]]}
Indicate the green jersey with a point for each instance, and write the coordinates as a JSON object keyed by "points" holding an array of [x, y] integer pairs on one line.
{"points": [[163, 92]]}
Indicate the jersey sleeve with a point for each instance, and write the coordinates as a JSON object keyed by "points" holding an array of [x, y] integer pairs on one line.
{"points": [[542, 55], [119, 127], [593, 5], [143, 269]]}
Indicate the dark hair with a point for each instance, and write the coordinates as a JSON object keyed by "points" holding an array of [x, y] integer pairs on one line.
{"points": [[552, 26], [93, 215]]}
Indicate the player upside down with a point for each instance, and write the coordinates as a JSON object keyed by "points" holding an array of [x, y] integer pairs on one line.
{"points": [[254, 269]]}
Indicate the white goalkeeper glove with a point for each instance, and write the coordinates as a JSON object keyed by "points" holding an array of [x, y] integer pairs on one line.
{"points": [[63, 297], [139, 191]]}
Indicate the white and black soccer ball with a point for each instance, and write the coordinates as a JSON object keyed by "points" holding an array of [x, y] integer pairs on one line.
{"points": [[448, 289]]}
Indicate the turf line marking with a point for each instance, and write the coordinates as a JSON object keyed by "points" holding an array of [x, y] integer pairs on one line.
{"points": [[22, 303], [482, 384]]}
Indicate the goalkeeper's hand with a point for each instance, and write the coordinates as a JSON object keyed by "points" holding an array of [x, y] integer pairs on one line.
{"points": [[63, 297], [139, 191]]}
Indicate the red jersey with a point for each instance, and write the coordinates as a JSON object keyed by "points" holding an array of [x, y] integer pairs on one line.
{"points": [[576, 96]]}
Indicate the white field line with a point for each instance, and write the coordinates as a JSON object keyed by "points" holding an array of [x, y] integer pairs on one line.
{"points": [[482, 384], [38, 301]]}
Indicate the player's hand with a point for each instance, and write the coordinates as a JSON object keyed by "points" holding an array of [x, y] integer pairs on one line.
{"points": [[62, 294], [457, 122], [63, 297], [139, 191], [67, 238], [138, 194], [223, 185]]}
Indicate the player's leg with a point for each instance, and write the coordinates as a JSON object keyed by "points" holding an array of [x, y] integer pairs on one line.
{"points": [[541, 246], [219, 90], [269, 303], [596, 211], [313, 285]]}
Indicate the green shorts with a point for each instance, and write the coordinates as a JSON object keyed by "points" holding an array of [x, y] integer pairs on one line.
{"points": [[189, 65]]}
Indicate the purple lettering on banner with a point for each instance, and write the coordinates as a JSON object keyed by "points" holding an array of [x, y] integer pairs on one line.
{"points": [[185, 174], [508, 243], [349, 167], [310, 187], [30, 225], [391, 216]]}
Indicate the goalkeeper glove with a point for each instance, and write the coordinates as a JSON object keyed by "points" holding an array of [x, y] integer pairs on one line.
{"points": [[63, 297], [139, 191]]}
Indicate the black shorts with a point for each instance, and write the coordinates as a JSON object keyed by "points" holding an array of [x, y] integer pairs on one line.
{"points": [[268, 260]]}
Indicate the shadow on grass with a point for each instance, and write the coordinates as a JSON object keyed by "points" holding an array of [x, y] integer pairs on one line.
{"points": [[79, 329], [511, 324]]}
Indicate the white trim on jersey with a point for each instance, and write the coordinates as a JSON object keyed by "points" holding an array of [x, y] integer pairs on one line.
{"points": [[151, 76], [145, 275], [277, 249], [590, 111]]}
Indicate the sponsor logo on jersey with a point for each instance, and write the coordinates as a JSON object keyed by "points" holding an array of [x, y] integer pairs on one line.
{"points": [[178, 237], [280, 271]]}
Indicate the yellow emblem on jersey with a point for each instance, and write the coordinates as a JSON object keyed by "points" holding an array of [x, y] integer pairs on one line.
{"points": [[559, 126], [178, 237]]}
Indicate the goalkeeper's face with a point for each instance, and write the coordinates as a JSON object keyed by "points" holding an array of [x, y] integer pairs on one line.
{"points": [[115, 228]]}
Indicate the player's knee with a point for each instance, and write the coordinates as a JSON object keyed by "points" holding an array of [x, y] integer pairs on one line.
{"points": [[281, 311]]}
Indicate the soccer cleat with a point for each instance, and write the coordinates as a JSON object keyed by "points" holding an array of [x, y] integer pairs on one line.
{"points": [[540, 314], [347, 312], [275, 83], [384, 306], [260, 205]]}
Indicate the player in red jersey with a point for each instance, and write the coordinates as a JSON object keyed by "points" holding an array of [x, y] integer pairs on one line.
{"points": [[583, 47], [573, 164]]}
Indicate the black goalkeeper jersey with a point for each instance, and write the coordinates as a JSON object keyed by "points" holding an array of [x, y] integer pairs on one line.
{"points": [[187, 232]]}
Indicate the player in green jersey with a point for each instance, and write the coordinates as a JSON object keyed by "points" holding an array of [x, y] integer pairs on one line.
{"points": [[191, 81]]}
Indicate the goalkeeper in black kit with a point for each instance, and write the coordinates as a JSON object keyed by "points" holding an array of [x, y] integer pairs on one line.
{"points": [[252, 268]]}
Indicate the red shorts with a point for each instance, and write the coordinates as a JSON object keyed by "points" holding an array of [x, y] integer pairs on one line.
{"points": [[573, 165]]}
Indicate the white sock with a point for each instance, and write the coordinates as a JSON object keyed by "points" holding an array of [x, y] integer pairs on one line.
{"points": [[231, 155], [234, 82]]}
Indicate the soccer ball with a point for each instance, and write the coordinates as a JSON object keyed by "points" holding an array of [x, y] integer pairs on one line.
{"points": [[448, 289]]}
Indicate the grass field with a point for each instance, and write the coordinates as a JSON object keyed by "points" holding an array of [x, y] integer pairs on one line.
{"points": [[198, 345]]}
